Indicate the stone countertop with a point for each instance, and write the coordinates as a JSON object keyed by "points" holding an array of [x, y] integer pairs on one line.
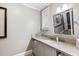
{"points": [[64, 47]]}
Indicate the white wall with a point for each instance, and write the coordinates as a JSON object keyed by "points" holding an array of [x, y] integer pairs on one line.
{"points": [[22, 22], [75, 13]]}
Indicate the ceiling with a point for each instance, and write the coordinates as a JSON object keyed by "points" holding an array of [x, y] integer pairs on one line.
{"points": [[36, 6]]}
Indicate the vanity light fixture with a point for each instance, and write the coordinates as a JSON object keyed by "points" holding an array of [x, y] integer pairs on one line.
{"points": [[64, 7], [58, 10]]}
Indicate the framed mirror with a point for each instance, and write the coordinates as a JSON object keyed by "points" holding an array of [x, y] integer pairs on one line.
{"points": [[3, 22], [63, 22]]}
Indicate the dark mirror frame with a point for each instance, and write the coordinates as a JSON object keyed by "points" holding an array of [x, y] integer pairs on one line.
{"points": [[5, 22]]}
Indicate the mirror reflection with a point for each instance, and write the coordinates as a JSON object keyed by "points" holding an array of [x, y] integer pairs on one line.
{"points": [[63, 22]]}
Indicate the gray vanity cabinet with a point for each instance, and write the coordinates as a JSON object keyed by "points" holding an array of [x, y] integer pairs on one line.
{"points": [[41, 49]]}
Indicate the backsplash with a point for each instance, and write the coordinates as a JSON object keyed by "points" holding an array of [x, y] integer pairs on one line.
{"points": [[71, 39]]}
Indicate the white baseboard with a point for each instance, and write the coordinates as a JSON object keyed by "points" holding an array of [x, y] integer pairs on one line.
{"points": [[26, 53]]}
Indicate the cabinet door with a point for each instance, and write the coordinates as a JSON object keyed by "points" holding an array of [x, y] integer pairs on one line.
{"points": [[35, 47], [41, 49], [49, 51], [38, 48]]}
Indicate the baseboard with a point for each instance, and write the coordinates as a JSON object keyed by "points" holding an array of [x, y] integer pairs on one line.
{"points": [[26, 53]]}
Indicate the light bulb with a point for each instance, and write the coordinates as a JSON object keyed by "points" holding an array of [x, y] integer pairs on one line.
{"points": [[58, 10], [64, 7]]}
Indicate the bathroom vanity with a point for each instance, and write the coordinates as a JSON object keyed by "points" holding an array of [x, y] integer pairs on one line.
{"points": [[61, 25], [44, 46]]}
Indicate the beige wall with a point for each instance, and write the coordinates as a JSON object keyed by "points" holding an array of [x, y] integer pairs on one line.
{"points": [[22, 22], [75, 12]]}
